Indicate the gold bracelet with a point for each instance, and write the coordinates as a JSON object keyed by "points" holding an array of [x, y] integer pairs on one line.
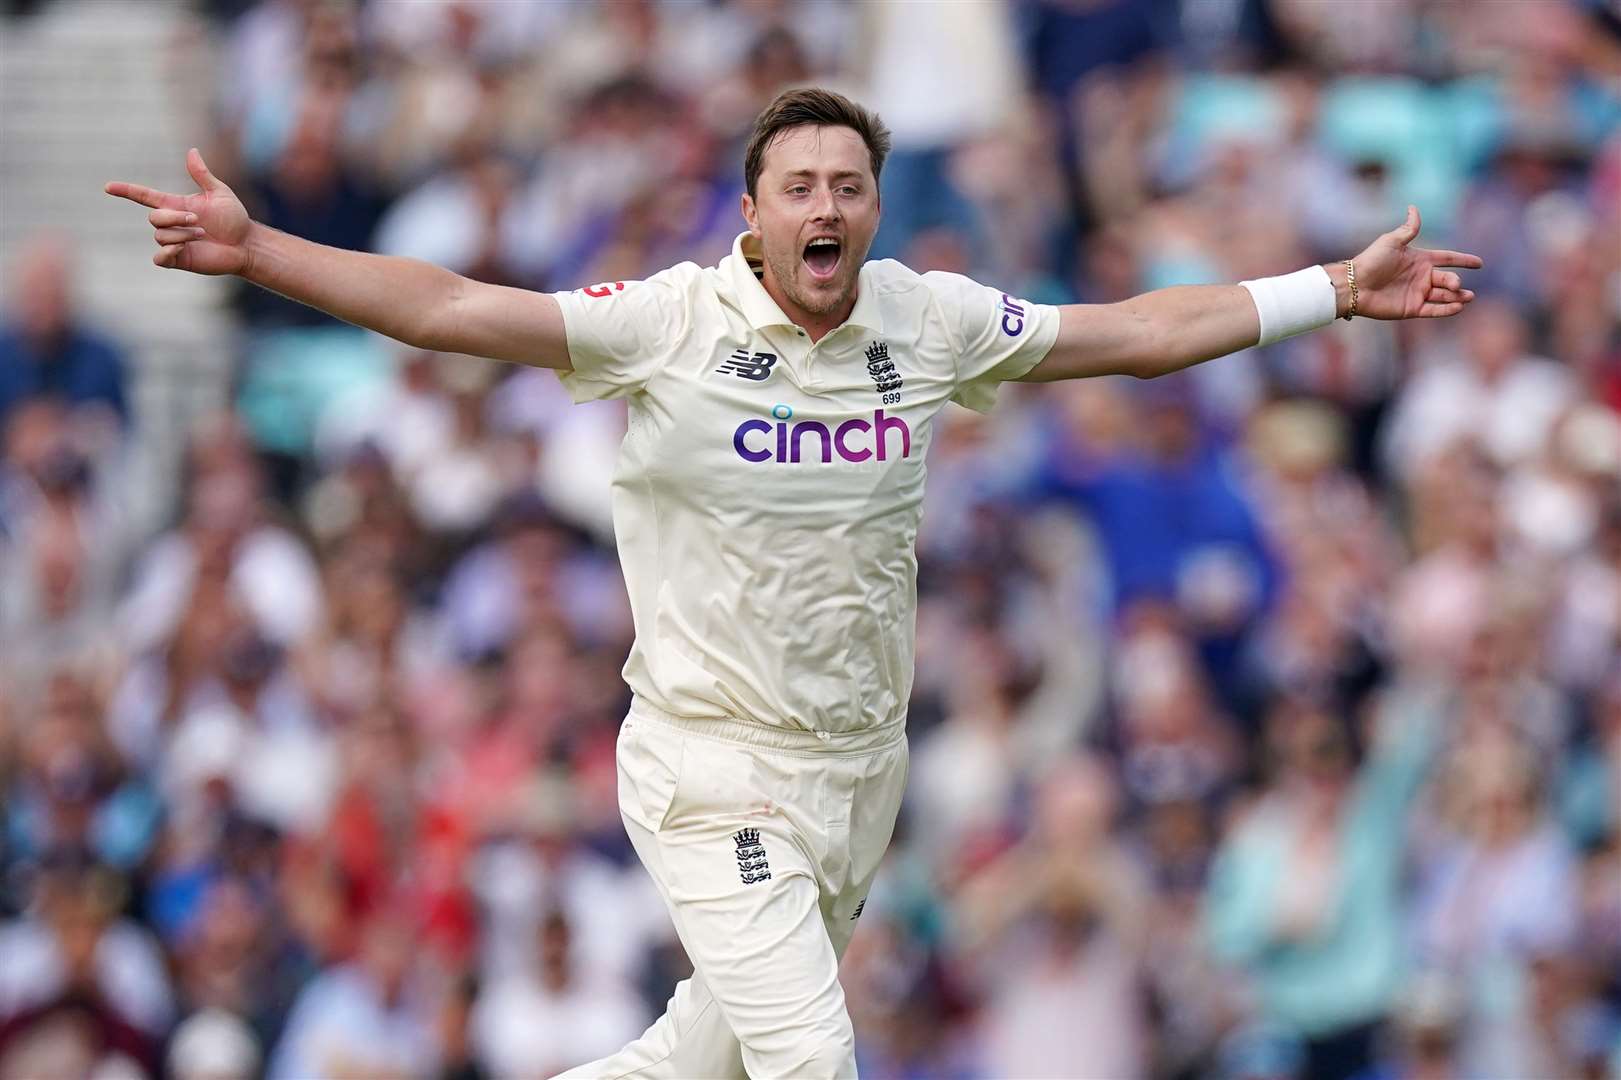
{"points": [[1350, 279]]}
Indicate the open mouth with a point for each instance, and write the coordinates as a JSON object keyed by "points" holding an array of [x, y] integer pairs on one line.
{"points": [[822, 257]]}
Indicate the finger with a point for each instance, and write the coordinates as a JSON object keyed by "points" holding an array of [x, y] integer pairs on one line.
{"points": [[162, 219], [144, 195], [1445, 279], [1407, 230], [1457, 258], [168, 255], [1439, 311], [199, 171], [1448, 296], [177, 236]]}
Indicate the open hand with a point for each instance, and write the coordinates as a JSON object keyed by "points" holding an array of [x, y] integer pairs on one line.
{"points": [[206, 233], [1397, 281]]}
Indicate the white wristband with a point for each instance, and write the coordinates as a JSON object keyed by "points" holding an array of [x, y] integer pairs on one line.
{"points": [[1293, 303]]}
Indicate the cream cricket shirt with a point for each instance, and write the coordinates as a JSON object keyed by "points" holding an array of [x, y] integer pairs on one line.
{"points": [[768, 491]]}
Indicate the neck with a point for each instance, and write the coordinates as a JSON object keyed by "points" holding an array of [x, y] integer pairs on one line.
{"points": [[816, 325]]}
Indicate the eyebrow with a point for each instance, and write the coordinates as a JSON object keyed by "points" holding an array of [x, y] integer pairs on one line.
{"points": [[837, 176]]}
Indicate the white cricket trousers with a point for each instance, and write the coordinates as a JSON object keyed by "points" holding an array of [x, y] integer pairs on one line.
{"points": [[763, 842]]}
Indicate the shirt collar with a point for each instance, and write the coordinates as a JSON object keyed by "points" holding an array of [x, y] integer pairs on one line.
{"points": [[762, 311]]}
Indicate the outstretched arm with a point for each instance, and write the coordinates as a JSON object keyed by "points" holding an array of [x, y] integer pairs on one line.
{"points": [[425, 306], [1169, 329]]}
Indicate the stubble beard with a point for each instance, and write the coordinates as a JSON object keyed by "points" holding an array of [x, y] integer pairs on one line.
{"points": [[786, 268]]}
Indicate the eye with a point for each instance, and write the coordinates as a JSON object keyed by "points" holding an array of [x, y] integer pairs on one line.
{"points": [[798, 189], [850, 189]]}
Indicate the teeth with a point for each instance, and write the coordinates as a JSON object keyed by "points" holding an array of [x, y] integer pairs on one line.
{"points": [[825, 241]]}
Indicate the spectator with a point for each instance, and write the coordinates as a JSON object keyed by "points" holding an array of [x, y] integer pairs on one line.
{"points": [[967, 769], [536, 1021], [66, 550], [72, 791], [1174, 520], [225, 538], [1058, 923], [1304, 894], [237, 969], [72, 955], [532, 860], [1499, 897], [45, 350], [531, 576], [1497, 388], [940, 80], [366, 1017]]}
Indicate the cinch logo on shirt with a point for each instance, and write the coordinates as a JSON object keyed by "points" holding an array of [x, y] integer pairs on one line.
{"points": [[856, 439], [1012, 316]]}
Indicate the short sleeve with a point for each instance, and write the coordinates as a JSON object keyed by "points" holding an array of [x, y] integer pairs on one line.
{"points": [[997, 337], [620, 332]]}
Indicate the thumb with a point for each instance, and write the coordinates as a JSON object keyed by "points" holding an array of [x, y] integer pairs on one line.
{"points": [[199, 171], [1407, 231]]}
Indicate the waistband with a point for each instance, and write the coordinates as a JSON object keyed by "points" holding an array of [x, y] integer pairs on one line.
{"points": [[792, 740]]}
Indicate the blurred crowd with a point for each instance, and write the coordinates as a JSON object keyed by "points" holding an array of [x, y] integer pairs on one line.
{"points": [[1267, 719]]}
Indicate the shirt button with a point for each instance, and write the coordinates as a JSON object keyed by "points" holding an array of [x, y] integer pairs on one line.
{"points": [[800, 332]]}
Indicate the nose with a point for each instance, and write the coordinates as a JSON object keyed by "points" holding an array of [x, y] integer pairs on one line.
{"points": [[826, 207]]}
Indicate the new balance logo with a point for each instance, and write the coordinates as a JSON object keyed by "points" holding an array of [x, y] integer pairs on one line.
{"points": [[751, 864], [756, 367], [882, 368], [856, 914]]}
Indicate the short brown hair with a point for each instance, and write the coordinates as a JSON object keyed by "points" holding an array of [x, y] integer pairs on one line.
{"points": [[811, 105]]}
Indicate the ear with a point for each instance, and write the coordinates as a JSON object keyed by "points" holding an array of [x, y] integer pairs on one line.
{"points": [[751, 214]]}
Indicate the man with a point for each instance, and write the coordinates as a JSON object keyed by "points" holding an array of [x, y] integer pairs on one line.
{"points": [[46, 351], [766, 505]]}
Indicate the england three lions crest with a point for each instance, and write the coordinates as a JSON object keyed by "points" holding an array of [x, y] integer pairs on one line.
{"points": [[882, 368], [751, 861]]}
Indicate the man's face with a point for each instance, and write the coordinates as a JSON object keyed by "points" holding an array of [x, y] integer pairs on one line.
{"points": [[815, 184]]}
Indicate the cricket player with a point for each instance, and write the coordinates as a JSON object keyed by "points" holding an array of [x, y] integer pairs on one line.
{"points": [[766, 503]]}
